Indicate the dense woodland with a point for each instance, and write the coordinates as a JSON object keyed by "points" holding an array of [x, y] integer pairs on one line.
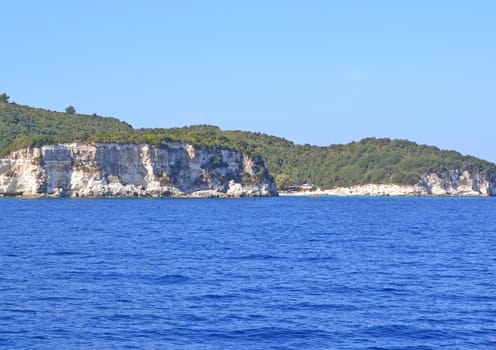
{"points": [[370, 160], [23, 126]]}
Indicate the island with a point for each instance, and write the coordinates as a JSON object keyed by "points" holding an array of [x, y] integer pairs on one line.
{"points": [[47, 153]]}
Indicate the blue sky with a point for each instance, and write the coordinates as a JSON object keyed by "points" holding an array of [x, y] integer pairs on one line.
{"points": [[318, 72]]}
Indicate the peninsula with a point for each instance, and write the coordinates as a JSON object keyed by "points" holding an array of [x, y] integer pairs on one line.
{"points": [[48, 153]]}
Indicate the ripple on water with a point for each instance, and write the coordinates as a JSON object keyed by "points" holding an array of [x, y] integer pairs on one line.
{"points": [[281, 273]]}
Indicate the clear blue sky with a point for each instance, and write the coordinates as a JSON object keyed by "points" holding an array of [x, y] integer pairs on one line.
{"points": [[318, 72]]}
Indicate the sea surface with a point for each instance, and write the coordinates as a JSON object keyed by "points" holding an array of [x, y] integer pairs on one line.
{"points": [[262, 273]]}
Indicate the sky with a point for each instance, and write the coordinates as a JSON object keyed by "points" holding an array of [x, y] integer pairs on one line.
{"points": [[316, 72]]}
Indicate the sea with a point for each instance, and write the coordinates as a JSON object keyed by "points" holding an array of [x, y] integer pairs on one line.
{"points": [[249, 273]]}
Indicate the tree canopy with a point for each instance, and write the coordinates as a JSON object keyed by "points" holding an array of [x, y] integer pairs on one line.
{"points": [[70, 110], [370, 160], [23, 126], [4, 97]]}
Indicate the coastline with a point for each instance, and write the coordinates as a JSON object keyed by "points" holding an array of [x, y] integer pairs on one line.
{"points": [[392, 190]]}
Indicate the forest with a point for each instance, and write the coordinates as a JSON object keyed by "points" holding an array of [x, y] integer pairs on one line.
{"points": [[371, 160]]}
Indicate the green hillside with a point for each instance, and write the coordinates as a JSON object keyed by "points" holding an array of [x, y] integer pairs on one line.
{"points": [[23, 126], [368, 161]]}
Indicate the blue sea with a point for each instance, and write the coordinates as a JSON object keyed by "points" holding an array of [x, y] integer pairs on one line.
{"points": [[260, 273]]}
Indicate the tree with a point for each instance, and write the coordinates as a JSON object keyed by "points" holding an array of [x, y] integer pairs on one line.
{"points": [[282, 181], [70, 110], [4, 97]]}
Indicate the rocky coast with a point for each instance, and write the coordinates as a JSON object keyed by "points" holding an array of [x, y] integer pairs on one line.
{"points": [[132, 170], [447, 183]]}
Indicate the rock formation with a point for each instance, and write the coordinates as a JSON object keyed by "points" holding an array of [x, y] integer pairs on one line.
{"points": [[447, 183], [132, 170]]}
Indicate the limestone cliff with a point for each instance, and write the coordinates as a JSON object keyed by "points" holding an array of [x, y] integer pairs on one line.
{"points": [[130, 170], [447, 183]]}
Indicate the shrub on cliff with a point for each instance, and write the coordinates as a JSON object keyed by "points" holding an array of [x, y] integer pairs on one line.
{"points": [[4, 97]]}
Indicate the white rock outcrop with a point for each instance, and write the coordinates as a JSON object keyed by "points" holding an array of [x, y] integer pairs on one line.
{"points": [[130, 170], [447, 183]]}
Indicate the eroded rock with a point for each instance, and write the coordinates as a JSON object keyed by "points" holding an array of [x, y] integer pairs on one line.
{"points": [[129, 170]]}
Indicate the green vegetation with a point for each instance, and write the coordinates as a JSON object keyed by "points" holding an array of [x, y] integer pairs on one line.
{"points": [[216, 161], [370, 160], [70, 110], [204, 136], [22, 126], [4, 97]]}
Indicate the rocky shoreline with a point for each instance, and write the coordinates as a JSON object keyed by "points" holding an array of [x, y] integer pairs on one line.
{"points": [[132, 170], [89, 170], [437, 188], [447, 183]]}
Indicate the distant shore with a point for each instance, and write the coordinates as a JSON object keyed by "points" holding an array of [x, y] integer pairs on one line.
{"points": [[394, 190]]}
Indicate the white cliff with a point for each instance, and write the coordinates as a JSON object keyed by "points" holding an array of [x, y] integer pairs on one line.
{"points": [[129, 170], [448, 183]]}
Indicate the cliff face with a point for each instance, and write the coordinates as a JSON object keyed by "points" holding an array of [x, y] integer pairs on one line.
{"points": [[128, 170], [448, 183], [459, 183]]}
